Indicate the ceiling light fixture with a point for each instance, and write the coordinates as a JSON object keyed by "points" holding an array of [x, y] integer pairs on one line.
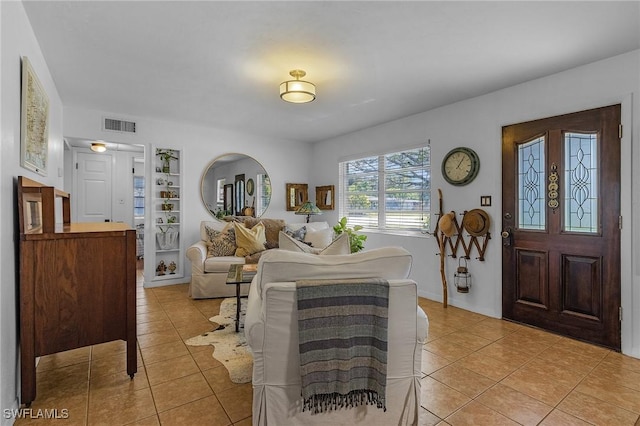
{"points": [[98, 147], [297, 91]]}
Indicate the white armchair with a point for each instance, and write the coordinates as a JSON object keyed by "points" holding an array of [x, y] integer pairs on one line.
{"points": [[271, 330]]}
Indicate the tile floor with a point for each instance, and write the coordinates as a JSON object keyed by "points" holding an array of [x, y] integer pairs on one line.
{"points": [[477, 371]]}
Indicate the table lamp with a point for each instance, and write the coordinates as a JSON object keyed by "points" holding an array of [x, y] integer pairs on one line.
{"points": [[309, 209]]}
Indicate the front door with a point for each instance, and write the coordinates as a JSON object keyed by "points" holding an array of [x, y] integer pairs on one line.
{"points": [[561, 224]]}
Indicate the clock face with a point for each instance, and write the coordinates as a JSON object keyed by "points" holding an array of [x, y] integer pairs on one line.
{"points": [[460, 166]]}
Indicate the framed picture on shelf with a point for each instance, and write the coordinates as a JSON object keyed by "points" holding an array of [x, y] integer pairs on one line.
{"points": [[34, 122]]}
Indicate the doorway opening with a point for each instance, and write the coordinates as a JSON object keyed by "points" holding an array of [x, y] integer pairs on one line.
{"points": [[107, 186]]}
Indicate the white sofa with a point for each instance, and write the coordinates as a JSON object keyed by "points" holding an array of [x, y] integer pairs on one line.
{"points": [[209, 274], [271, 330]]}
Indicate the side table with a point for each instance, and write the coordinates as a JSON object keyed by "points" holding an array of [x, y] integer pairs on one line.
{"points": [[240, 274]]}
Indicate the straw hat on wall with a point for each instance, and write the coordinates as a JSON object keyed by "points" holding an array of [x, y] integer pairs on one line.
{"points": [[476, 222], [446, 224]]}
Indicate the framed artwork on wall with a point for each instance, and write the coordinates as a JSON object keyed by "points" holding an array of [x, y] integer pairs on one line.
{"points": [[34, 122], [325, 197]]}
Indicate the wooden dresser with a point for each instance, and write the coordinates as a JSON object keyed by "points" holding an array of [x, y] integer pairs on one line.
{"points": [[77, 282]]}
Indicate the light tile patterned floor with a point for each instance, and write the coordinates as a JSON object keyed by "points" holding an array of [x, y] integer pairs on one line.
{"points": [[477, 371], [483, 371]]}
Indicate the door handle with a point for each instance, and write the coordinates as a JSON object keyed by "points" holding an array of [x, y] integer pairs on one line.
{"points": [[507, 237]]}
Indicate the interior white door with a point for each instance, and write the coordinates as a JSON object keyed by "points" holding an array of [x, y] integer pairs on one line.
{"points": [[93, 197]]}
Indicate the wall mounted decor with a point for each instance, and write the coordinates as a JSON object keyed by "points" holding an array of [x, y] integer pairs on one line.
{"points": [[34, 122], [297, 194], [460, 166], [325, 197]]}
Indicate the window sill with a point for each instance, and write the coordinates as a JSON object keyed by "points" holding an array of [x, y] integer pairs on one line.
{"points": [[397, 233]]}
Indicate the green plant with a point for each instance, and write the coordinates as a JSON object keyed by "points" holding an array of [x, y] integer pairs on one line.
{"points": [[356, 241], [166, 155], [222, 213]]}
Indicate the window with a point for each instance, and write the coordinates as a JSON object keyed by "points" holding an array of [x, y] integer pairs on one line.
{"points": [[263, 193], [389, 192], [138, 196], [220, 183]]}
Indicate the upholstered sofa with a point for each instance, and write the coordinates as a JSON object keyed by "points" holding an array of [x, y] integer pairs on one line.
{"points": [[209, 273], [271, 330]]}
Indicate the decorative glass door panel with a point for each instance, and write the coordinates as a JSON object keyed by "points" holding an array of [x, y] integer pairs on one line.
{"points": [[581, 180], [531, 185]]}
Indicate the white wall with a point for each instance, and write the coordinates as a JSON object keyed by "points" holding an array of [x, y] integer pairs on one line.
{"points": [[284, 161], [17, 40], [477, 123]]}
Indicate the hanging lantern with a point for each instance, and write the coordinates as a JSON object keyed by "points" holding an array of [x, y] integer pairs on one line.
{"points": [[462, 277]]}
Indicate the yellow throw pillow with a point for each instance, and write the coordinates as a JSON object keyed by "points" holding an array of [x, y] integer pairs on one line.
{"points": [[249, 241]]}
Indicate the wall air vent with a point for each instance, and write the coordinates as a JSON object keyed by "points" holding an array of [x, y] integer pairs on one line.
{"points": [[115, 125]]}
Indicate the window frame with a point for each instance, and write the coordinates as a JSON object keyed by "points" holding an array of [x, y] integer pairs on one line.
{"points": [[382, 225]]}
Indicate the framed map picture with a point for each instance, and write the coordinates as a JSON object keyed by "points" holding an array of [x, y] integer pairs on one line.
{"points": [[34, 122]]}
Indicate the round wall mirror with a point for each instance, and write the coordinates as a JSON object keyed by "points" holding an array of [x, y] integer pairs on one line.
{"points": [[235, 185]]}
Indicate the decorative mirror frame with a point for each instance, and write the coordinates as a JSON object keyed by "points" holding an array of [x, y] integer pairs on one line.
{"points": [[296, 195], [251, 204], [325, 197]]}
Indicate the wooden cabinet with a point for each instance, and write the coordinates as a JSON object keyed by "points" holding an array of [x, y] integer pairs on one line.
{"points": [[77, 282]]}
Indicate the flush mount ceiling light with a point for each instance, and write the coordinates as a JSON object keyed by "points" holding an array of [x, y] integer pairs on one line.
{"points": [[98, 147], [297, 91]]}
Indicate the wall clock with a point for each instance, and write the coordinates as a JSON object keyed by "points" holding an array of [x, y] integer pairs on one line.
{"points": [[250, 187], [460, 166]]}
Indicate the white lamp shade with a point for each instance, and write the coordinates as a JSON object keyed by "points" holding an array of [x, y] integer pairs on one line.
{"points": [[297, 91]]}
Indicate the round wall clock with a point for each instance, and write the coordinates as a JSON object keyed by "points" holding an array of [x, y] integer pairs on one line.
{"points": [[250, 187], [460, 166]]}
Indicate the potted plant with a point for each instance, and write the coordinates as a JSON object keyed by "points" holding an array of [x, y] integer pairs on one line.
{"points": [[356, 241], [166, 155]]}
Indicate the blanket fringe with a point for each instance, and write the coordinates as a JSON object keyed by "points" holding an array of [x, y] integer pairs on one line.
{"points": [[333, 401]]}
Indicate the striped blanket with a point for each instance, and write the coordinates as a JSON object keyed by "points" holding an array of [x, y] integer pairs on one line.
{"points": [[342, 326]]}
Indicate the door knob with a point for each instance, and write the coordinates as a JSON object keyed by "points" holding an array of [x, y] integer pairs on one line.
{"points": [[507, 238]]}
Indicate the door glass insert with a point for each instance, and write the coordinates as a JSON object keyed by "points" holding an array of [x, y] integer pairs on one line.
{"points": [[531, 190], [581, 177]]}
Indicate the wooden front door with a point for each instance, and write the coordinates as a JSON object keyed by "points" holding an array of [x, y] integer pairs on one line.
{"points": [[561, 224]]}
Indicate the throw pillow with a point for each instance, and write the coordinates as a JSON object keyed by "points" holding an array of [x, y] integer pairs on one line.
{"points": [[339, 246], [221, 243], [319, 239], [249, 241], [287, 242], [298, 234], [211, 233]]}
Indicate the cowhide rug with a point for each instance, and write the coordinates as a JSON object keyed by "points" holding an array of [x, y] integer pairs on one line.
{"points": [[230, 348]]}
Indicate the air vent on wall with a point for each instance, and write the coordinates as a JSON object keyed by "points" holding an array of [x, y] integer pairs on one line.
{"points": [[116, 125]]}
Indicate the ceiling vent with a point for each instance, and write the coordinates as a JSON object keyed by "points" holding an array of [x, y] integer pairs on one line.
{"points": [[115, 125]]}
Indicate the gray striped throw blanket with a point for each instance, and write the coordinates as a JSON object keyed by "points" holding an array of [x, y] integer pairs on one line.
{"points": [[342, 327]]}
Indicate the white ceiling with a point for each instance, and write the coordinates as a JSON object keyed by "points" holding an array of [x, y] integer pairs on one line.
{"points": [[220, 63]]}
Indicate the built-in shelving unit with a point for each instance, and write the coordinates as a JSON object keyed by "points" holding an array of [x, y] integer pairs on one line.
{"points": [[166, 263]]}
